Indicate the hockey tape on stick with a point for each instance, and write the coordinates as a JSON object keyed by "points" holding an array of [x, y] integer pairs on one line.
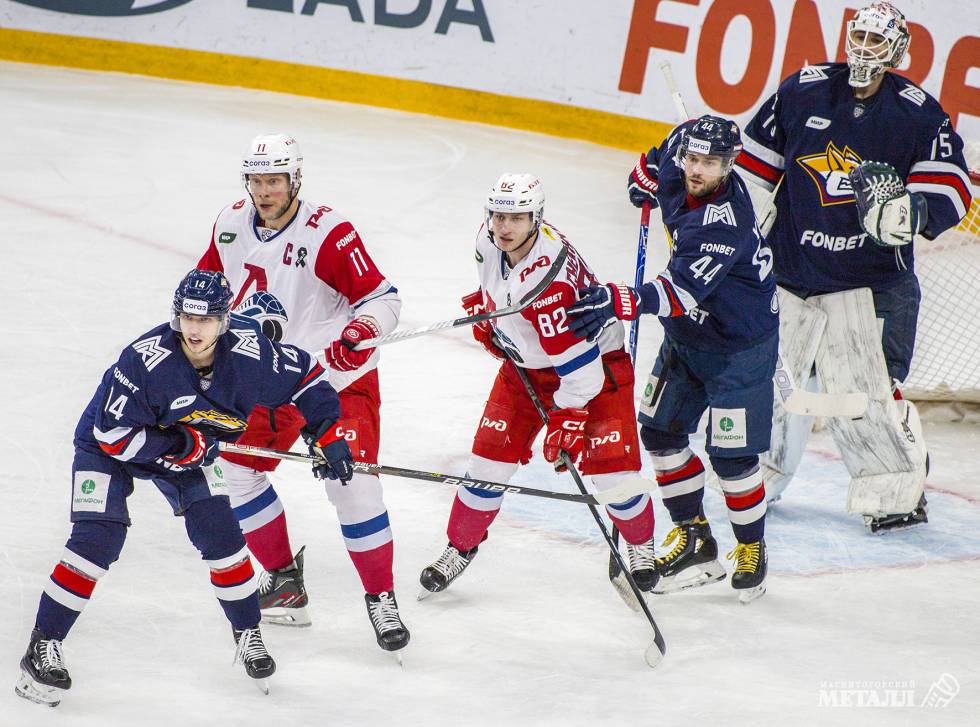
{"points": [[641, 263], [615, 495], [523, 303]]}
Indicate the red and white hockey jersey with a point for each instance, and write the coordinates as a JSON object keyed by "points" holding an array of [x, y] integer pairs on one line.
{"points": [[305, 282], [539, 335]]}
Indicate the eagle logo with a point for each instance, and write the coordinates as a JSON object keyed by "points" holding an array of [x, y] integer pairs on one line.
{"points": [[828, 170]]}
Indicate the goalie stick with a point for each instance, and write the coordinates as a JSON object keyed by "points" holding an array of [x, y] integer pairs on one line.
{"points": [[517, 307], [603, 498], [656, 651]]}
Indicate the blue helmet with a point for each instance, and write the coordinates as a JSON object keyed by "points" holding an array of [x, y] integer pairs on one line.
{"points": [[711, 136], [203, 293]]}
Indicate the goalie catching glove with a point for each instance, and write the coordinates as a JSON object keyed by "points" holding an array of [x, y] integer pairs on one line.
{"points": [[329, 445], [602, 305], [887, 211]]}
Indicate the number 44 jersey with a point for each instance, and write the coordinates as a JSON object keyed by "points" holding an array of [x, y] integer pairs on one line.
{"points": [[304, 282]]}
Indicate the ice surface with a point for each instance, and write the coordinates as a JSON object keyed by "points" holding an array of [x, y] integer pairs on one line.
{"points": [[109, 189]]}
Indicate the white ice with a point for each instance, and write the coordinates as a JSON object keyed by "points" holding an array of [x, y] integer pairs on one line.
{"points": [[108, 191]]}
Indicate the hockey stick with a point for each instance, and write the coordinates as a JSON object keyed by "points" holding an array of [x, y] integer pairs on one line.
{"points": [[616, 495], [641, 263], [795, 400], [654, 653], [517, 307]]}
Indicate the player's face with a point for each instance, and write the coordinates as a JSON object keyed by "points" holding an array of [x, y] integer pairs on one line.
{"points": [[271, 194], [510, 229], [868, 46], [199, 332], [703, 173]]}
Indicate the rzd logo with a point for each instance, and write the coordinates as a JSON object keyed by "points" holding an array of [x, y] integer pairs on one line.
{"points": [[610, 438], [499, 424], [105, 8]]}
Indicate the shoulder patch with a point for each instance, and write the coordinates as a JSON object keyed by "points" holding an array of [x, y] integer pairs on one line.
{"points": [[247, 344], [151, 351], [719, 213], [225, 237], [810, 74], [914, 94]]}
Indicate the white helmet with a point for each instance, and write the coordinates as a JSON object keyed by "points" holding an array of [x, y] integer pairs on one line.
{"points": [[274, 154], [517, 193], [877, 38]]}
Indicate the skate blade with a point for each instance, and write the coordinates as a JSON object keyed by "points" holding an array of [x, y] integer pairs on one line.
{"points": [[622, 587], [262, 685], [892, 527], [38, 693], [705, 574], [747, 595], [294, 617], [425, 593]]}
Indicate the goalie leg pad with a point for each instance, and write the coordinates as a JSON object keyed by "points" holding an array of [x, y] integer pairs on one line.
{"points": [[801, 326], [881, 450]]}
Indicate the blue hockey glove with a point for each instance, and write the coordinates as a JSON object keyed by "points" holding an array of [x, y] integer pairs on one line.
{"points": [[643, 183], [330, 446], [199, 449], [600, 306]]}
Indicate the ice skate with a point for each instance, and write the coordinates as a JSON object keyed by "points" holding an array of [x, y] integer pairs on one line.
{"points": [[450, 565], [44, 676], [693, 560], [388, 627], [887, 523], [251, 653], [643, 565], [751, 565], [282, 594]]}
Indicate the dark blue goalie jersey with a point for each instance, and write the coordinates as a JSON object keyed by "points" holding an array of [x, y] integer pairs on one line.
{"points": [[718, 292], [813, 131], [153, 387]]}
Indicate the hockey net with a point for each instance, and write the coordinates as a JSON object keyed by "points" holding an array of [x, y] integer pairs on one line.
{"points": [[946, 364]]}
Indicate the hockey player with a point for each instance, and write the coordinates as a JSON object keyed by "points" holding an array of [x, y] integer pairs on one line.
{"points": [[717, 303], [303, 271], [588, 386], [159, 414], [843, 250]]}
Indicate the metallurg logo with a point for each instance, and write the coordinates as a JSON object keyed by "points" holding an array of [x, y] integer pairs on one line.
{"points": [[828, 169], [105, 7]]}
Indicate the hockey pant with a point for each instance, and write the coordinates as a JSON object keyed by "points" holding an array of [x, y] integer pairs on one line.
{"points": [[864, 343], [509, 426], [360, 504]]}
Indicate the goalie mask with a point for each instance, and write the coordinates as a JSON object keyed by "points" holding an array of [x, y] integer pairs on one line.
{"points": [[203, 293], [513, 194], [877, 38], [274, 154]]}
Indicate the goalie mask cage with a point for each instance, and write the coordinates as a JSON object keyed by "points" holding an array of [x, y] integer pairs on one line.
{"points": [[946, 363]]}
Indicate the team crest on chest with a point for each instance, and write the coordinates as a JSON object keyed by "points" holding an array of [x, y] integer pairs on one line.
{"points": [[828, 170]]}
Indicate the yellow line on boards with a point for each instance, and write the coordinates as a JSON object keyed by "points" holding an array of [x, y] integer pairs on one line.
{"points": [[600, 127]]}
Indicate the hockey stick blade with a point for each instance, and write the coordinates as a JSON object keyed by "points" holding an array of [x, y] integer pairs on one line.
{"points": [[378, 469], [523, 303], [814, 404]]}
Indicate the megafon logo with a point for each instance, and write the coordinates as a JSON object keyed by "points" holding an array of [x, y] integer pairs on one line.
{"points": [[105, 7]]}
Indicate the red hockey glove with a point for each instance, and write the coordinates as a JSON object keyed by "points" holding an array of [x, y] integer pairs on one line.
{"points": [[199, 449], [330, 446], [566, 431], [341, 354], [482, 332]]}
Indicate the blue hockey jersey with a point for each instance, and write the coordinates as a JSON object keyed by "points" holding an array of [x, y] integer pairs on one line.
{"points": [[718, 292], [153, 387], [814, 131]]}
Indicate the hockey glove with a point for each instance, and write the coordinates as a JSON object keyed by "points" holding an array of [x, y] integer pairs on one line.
{"points": [[199, 449], [482, 331], [600, 306], [643, 183], [565, 432], [341, 354], [887, 211], [330, 446]]}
